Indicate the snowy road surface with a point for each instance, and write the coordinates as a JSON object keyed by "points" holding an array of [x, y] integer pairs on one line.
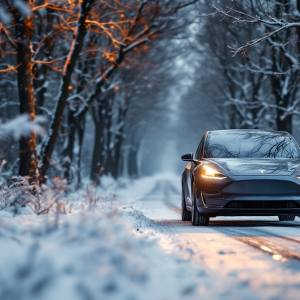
{"points": [[251, 257], [133, 245]]}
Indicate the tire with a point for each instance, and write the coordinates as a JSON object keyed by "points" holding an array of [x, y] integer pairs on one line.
{"points": [[185, 214], [197, 218], [286, 218]]}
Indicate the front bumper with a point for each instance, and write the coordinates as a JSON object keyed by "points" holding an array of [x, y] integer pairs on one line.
{"points": [[249, 196], [245, 205], [214, 212]]}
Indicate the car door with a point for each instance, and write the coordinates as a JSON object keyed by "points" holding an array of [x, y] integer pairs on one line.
{"points": [[190, 168]]}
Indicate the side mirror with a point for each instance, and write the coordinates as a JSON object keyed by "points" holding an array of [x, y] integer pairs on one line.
{"points": [[188, 157]]}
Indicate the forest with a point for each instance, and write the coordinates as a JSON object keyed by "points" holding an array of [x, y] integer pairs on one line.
{"points": [[99, 102], [92, 88]]}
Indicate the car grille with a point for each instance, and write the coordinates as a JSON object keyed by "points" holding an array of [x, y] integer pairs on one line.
{"points": [[263, 187], [262, 204]]}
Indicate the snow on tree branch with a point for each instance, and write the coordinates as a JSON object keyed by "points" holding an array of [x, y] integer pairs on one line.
{"points": [[258, 16], [22, 126]]}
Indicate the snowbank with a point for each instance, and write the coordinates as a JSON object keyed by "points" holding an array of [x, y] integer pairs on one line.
{"points": [[101, 254]]}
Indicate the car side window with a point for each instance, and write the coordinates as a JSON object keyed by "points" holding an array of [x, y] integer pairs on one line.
{"points": [[198, 152]]}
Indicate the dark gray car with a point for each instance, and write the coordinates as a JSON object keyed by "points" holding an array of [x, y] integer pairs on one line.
{"points": [[242, 173]]}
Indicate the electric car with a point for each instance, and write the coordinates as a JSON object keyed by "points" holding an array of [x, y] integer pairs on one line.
{"points": [[242, 173]]}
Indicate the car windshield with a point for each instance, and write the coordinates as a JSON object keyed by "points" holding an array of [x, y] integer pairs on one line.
{"points": [[250, 145]]}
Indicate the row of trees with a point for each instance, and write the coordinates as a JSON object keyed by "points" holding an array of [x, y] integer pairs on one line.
{"points": [[275, 58], [250, 51], [74, 57]]}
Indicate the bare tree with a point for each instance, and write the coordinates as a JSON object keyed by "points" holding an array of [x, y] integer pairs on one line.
{"points": [[24, 27], [77, 43], [280, 59], [65, 54]]}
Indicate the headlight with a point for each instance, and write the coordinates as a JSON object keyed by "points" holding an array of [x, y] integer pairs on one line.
{"points": [[209, 172]]}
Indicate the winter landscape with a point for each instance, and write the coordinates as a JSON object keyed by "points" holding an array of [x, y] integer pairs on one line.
{"points": [[99, 99]]}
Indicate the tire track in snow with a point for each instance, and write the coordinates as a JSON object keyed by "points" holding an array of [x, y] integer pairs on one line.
{"points": [[280, 247]]}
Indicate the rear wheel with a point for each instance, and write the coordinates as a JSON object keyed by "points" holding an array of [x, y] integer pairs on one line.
{"points": [[185, 214], [197, 218], [286, 218]]}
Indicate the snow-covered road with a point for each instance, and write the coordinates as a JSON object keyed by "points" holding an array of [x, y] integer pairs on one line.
{"points": [[242, 257]]}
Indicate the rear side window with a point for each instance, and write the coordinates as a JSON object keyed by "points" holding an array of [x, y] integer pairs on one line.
{"points": [[250, 145]]}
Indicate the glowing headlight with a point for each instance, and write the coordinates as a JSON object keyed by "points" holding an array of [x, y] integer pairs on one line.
{"points": [[209, 172]]}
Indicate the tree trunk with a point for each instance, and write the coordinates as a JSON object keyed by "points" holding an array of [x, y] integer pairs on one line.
{"points": [[98, 159], [121, 164], [117, 157], [73, 127], [278, 81], [77, 43], [285, 124], [108, 137], [132, 162], [28, 154], [40, 85], [69, 146], [80, 132], [298, 32], [233, 117]]}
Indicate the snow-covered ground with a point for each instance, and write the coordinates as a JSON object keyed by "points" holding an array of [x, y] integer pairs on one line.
{"points": [[107, 253], [133, 245]]}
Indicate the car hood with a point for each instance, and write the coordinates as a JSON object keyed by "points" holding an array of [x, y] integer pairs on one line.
{"points": [[252, 166]]}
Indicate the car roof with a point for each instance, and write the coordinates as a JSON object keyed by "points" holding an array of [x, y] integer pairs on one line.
{"points": [[248, 131]]}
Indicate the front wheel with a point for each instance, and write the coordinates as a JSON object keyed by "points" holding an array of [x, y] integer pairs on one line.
{"points": [[185, 214], [197, 218], [286, 218]]}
